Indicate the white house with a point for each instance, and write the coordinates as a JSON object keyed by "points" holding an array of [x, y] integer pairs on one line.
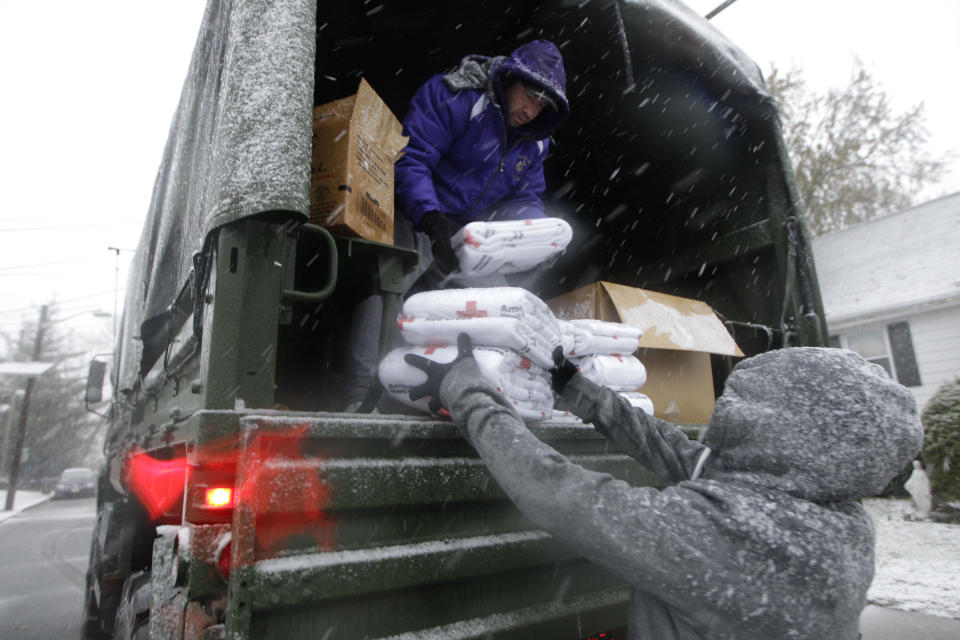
{"points": [[891, 291]]}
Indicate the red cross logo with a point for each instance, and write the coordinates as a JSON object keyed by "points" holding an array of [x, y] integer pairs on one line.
{"points": [[472, 311], [468, 239], [402, 319]]}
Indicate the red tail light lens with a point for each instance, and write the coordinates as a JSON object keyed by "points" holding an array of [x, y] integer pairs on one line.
{"points": [[211, 495], [218, 498], [157, 483]]}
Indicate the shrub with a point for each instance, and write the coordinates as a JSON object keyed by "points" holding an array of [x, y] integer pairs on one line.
{"points": [[941, 442]]}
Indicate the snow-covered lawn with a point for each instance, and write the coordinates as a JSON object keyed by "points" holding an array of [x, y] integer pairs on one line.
{"points": [[23, 500], [918, 562]]}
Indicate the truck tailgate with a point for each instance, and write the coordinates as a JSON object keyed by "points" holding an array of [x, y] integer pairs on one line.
{"points": [[390, 526]]}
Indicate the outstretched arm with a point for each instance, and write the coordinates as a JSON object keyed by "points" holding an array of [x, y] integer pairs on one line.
{"points": [[657, 445], [617, 526]]}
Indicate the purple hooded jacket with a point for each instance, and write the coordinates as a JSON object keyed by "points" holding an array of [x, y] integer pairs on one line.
{"points": [[463, 159]]}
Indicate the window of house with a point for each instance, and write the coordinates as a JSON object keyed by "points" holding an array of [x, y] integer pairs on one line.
{"points": [[891, 347], [872, 345]]}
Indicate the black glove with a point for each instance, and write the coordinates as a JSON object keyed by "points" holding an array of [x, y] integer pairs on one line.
{"points": [[560, 375], [440, 228], [436, 372]]}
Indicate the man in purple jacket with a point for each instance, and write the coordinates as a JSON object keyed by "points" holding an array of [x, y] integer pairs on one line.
{"points": [[478, 139]]}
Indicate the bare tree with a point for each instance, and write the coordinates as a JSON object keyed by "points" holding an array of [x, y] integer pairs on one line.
{"points": [[59, 427], [855, 157]]}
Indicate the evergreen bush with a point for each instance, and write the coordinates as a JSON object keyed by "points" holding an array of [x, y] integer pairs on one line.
{"points": [[941, 442]]}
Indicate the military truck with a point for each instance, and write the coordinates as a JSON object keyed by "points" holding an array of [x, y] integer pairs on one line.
{"points": [[238, 500]]}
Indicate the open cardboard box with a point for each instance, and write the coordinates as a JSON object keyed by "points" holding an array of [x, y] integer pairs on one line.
{"points": [[679, 334], [356, 140]]}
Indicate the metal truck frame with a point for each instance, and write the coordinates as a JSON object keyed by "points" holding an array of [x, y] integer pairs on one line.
{"points": [[237, 500]]}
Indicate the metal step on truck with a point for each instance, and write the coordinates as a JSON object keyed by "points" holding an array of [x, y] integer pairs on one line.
{"points": [[238, 500]]}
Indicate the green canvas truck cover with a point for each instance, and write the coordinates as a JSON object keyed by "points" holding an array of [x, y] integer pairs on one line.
{"points": [[239, 145]]}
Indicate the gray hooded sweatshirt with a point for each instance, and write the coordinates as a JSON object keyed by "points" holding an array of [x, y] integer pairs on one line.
{"points": [[759, 534]]}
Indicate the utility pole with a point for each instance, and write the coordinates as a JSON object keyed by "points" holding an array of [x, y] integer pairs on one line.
{"points": [[8, 429], [116, 285], [24, 414]]}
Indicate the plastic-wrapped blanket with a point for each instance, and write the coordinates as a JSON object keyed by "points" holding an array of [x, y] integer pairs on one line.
{"points": [[639, 400], [509, 246], [585, 337], [506, 317], [567, 337], [635, 398], [524, 384], [620, 372]]}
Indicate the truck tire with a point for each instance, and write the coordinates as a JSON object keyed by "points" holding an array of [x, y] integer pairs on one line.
{"points": [[101, 599], [98, 614], [133, 618]]}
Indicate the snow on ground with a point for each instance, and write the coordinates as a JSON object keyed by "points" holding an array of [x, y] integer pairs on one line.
{"points": [[918, 562], [23, 500]]}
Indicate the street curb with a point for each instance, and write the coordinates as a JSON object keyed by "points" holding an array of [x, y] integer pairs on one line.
{"points": [[6, 515]]}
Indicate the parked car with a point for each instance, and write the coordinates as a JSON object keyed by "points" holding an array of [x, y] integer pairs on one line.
{"points": [[75, 483]]}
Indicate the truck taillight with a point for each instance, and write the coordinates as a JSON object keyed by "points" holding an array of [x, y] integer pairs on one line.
{"points": [[218, 497], [211, 495], [157, 481]]}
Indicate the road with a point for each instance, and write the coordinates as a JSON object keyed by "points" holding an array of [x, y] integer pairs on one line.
{"points": [[43, 558]]}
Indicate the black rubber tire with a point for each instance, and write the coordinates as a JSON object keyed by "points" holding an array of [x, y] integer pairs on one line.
{"points": [[99, 612], [98, 616], [133, 618]]}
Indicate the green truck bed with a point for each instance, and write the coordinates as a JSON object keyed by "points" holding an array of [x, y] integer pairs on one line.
{"points": [[380, 526]]}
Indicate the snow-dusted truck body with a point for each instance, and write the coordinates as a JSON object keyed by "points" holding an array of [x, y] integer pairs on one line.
{"points": [[236, 500]]}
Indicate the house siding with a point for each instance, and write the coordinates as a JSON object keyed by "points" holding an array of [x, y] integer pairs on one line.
{"points": [[936, 342], [899, 268]]}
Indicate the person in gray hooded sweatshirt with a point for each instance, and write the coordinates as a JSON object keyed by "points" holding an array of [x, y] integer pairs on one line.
{"points": [[759, 533]]}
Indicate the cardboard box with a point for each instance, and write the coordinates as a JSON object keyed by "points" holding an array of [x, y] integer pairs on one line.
{"points": [[356, 140], [679, 335]]}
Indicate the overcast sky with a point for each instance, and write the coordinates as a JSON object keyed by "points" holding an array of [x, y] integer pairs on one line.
{"points": [[90, 89]]}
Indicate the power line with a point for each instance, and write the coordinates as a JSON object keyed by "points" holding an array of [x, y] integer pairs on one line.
{"points": [[84, 318], [48, 264], [720, 8], [13, 316], [69, 226], [34, 274], [60, 302]]}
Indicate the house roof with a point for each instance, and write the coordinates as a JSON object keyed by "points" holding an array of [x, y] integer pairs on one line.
{"points": [[880, 268]]}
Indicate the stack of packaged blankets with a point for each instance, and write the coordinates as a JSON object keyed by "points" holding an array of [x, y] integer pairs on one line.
{"points": [[603, 351], [509, 246], [513, 333]]}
